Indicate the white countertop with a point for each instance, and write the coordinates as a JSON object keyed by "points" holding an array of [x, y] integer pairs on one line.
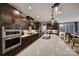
{"points": [[26, 33], [48, 47]]}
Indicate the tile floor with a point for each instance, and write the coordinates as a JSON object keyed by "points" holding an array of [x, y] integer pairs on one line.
{"points": [[48, 47]]}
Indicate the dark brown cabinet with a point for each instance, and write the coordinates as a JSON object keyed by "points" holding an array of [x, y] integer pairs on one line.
{"points": [[7, 16], [48, 25], [31, 23], [55, 26], [26, 41], [0, 41], [38, 25]]}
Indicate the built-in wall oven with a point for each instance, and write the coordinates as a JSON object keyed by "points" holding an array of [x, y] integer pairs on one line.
{"points": [[11, 38]]}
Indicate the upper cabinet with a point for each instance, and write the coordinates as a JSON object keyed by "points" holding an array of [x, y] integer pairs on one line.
{"points": [[49, 26], [55, 26], [37, 25], [8, 14]]}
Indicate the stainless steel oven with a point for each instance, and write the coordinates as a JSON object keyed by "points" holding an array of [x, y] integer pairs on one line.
{"points": [[11, 38], [10, 31]]}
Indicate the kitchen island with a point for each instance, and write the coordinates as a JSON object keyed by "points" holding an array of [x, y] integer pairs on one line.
{"points": [[48, 47]]}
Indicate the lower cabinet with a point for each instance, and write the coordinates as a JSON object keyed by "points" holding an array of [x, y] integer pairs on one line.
{"points": [[26, 41]]}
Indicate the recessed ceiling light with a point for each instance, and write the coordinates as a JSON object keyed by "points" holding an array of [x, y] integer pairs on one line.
{"points": [[29, 7], [37, 16]]}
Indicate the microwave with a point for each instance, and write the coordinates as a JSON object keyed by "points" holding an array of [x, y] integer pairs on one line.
{"points": [[9, 32]]}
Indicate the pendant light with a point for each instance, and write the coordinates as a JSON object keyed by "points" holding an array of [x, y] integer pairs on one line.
{"points": [[55, 10]]}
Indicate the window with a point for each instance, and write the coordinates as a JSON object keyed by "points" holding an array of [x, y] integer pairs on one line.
{"points": [[67, 27]]}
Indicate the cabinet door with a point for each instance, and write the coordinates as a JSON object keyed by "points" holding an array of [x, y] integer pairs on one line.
{"points": [[6, 14], [17, 17]]}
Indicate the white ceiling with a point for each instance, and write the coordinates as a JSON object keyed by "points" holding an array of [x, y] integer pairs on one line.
{"points": [[70, 11]]}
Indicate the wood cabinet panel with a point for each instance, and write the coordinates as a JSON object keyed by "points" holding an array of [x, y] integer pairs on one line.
{"points": [[26, 41], [7, 14]]}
